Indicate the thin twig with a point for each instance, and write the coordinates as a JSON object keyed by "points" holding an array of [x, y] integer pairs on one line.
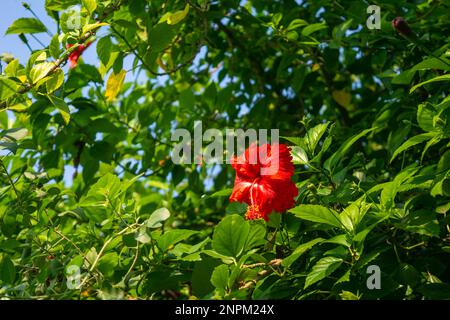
{"points": [[136, 255], [10, 181], [99, 255]]}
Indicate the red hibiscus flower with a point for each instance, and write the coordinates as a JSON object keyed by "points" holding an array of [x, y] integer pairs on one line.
{"points": [[75, 55], [263, 180]]}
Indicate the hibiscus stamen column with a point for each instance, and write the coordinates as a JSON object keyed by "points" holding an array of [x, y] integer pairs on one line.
{"points": [[253, 211]]}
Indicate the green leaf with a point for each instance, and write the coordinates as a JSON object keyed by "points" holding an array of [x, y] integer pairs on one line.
{"points": [[183, 248], [142, 236], [62, 106], [162, 279], [40, 71], [222, 193], [412, 142], [160, 36], [201, 276], [12, 68], [55, 47], [360, 236], [14, 133], [436, 139], [172, 237], [296, 23], [276, 18], [90, 5], [405, 77], [256, 236], [430, 63], [214, 254], [8, 88], [157, 217], [219, 278], [98, 199], [325, 146], [9, 145], [58, 5], [299, 155], [7, 270], [445, 77], [177, 16], [129, 239], [108, 263], [444, 162], [354, 213], [299, 77], [230, 236], [390, 189], [340, 31], [441, 186], [297, 141], [292, 35], [425, 115], [333, 161], [93, 26], [10, 137], [104, 47], [408, 274], [108, 185], [313, 28], [347, 295], [314, 135], [341, 239], [421, 222], [55, 80], [274, 220], [236, 207], [103, 151], [317, 213], [26, 25], [435, 291], [323, 268], [345, 277], [187, 99], [158, 184], [90, 72], [289, 260], [118, 64]]}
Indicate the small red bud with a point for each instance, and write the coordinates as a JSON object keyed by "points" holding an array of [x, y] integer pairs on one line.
{"points": [[75, 55], [402, 27]]}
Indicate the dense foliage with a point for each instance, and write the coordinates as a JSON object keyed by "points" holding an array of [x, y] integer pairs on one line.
{"points": [[366, 114]]}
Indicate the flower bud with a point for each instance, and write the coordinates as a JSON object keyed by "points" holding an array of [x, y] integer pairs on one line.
{"points": [[402, 27]]}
